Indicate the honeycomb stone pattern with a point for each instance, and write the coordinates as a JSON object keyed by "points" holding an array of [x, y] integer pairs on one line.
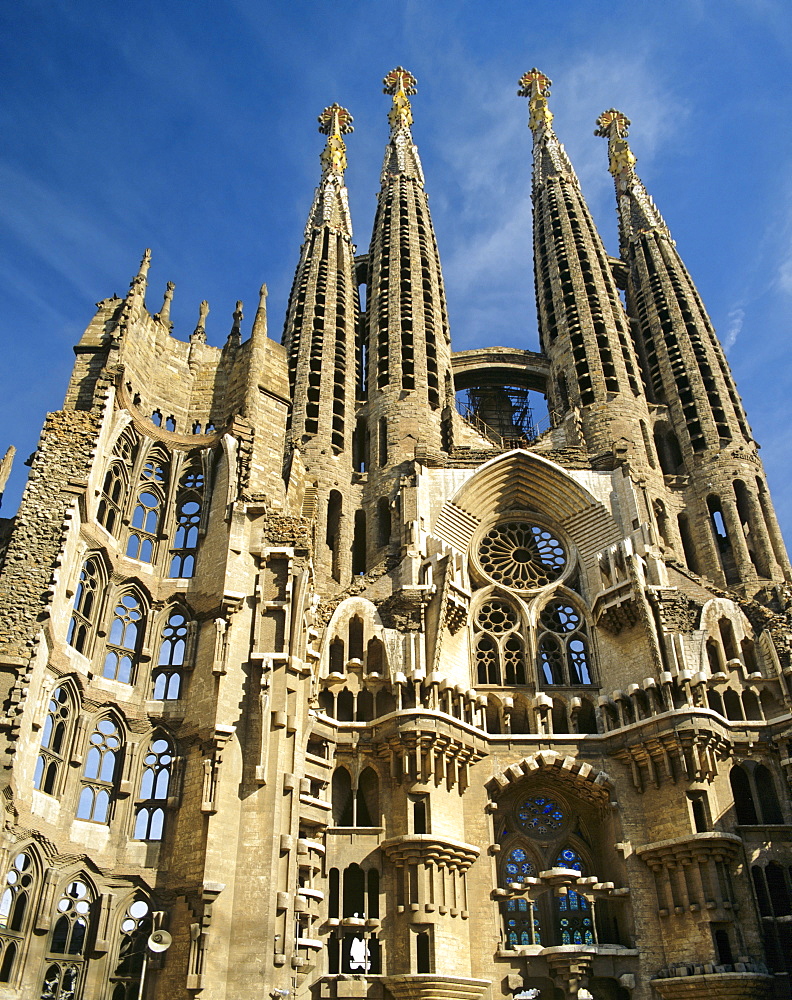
{"points": [[521, 555]]}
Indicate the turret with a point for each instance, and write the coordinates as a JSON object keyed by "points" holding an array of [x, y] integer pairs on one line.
{"points": [[701, 432], [582, 325], [408, 343]]}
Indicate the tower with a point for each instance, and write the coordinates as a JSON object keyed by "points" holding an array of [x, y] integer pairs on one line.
{"points": [[701, 430], [321, 337], [313, 686]]}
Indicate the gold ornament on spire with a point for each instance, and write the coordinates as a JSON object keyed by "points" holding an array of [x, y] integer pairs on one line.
{"points": [[400, 83], [536, 87], [335, 122], [614, 126]]}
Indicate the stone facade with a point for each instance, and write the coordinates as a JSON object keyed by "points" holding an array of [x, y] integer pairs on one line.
{"points": [[314, 686]]}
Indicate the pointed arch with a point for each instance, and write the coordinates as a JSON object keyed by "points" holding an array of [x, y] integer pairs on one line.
{"points": [[101, 769], [522, 480], [56, 737], [155, 787], [168, 672], [88, 603]]}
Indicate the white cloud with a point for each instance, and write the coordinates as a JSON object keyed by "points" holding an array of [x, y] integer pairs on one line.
{"points": [[734, 320]]}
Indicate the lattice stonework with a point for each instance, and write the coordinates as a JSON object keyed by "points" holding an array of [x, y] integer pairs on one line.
{"points": [[521, 555]]}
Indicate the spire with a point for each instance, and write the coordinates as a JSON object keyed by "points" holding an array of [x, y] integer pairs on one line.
{"points": [[321, 322], [408, 338], [334, 122], [164, 314], [614, 126], [331, 205], [401, 156], [582, 324], [550, 158], [684, 361]]}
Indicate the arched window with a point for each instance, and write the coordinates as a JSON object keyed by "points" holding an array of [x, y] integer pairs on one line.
{"points": [[100, 772], [17, 903], [573, 909], [167, 676], [65, 962], [341, 793], [153, 794], [86, 607], [520, 919], [146, 515], [500, 650], [50, 765], [564, 656], [135, 929], [766, 795], [367, 804], [188, 521], [123, 640], [112, 499], [743, 797]]}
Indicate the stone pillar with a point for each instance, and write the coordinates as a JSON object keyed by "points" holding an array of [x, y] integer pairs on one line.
{"points": [[739, 546]]}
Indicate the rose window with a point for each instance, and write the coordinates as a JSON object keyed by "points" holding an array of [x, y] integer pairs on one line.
{"points": [[521, 555], [540, 816]]}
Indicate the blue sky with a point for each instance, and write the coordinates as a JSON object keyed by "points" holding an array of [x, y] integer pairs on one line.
{"points": [[191, 128]]}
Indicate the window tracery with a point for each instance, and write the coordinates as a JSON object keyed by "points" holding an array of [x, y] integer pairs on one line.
{"points": [[146, 515], [123, 641], [100, 772], [86, 606], [52, 751], [65, 956], [521, 555], [189, 501], [16, 904], [500, 649], [136, 926], [167, 677], [153, 793], [112, 498], [563, 647]]}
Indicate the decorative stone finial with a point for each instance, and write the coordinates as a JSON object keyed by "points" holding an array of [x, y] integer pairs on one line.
{"points": [[334, 122], [400, 83], [260, 322], [5, 468], [199, 334], [235, 337], [145, 264], [164, 314], [536, 87], [614, 126]]}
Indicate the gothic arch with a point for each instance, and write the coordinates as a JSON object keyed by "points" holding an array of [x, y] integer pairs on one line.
{"points": [[595, 786], [521, 480]]}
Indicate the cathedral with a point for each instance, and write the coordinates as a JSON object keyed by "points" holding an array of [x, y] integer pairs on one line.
{"points": [[330, 671]]}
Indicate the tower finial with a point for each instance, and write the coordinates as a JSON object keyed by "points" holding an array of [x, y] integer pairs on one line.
{"points": [[614, 126], [334, 122], [536, 87], [260, 320], [400, 83], [235, 336], [198, 336], [164, 314]]}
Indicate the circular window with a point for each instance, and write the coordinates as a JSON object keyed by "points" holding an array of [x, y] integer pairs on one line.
{"points": [[540, 816], [522, 555]]}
